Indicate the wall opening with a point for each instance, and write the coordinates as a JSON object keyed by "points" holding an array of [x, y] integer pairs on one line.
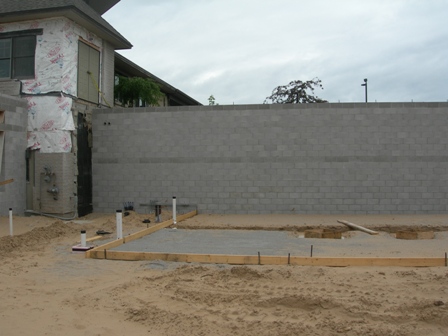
{"points": [[84, 181], [2, 141]]}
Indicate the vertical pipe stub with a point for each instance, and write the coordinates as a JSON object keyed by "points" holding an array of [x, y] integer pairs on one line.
{"points": [[83, 238], [119, 216], [174, 210], [158, 212], [10, 222]]}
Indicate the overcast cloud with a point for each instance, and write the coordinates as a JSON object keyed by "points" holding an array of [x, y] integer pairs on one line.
{"points": [[240, 50]]}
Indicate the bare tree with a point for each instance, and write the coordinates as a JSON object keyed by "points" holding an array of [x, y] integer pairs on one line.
{"points": [[296, 92]]}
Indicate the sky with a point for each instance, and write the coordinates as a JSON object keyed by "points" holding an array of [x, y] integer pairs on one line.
{"points": [[240, 50]]}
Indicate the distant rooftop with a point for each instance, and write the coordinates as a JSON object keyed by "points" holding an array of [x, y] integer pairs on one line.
{"points": [[125, 67], [86, 13], [101, 6]]}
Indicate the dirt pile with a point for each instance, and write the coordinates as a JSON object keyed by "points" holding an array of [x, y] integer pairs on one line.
{"points": [[58, 292], [244, 300], [37, 238]]}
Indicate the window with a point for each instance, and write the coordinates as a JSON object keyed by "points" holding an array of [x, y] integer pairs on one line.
{"points": [[88, 72], [17, 50]]}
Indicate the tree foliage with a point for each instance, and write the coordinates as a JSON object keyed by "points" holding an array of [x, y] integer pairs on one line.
{"points": [[296, 92], [130, 90], [212, 100]]}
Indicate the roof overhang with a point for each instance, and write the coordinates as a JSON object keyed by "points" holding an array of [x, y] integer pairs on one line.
{"points": [[75, 14], [102, 6]]}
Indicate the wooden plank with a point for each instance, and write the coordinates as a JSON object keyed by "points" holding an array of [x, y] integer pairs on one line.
{"points": [[414, 235], [106, 246], [94, 238], [270, 260], [7, 182], [357, 227], [186, 216], [158, 227], [323, 234], [92, 253], [147, 231], [95, 254], [341, 262]]}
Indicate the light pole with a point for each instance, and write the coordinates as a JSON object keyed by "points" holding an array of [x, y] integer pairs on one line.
{"points": [[365, 85]]}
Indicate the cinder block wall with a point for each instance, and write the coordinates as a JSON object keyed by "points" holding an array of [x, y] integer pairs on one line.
{"points": [[13, 125], [59, 174], [373, 158]]}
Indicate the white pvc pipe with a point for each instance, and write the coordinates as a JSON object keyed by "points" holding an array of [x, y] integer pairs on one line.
{"points": [[119, 224], [174, 210], [10, 222], [83, 238]]}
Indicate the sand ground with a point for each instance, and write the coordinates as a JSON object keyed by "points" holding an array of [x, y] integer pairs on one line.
{"points": [[48, 290]]}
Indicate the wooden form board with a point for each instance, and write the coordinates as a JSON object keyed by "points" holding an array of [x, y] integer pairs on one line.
{"points": [[414, 235], [104, 252], [94, 238], [140, 234], [323, 234], [266, 260]]}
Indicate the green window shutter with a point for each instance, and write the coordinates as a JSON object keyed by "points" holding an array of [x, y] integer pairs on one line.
{"points": [[94, 68], [88, 72]]}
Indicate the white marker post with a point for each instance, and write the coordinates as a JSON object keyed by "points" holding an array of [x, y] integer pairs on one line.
{"points": [[174, 210], [10, 222], [83, 238], [119, 224]]}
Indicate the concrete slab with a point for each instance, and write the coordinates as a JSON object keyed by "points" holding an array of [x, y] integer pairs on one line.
{"points": [[277, 243]]}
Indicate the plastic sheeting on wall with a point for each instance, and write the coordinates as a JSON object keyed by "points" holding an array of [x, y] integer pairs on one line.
{"points": [[50, 119], [50, 142], [50, 113], [56, 60]]}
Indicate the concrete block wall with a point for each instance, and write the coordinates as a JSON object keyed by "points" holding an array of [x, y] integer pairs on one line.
{"points": [[371, 158], [61, 176], [13, 127], [10, 87]]}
